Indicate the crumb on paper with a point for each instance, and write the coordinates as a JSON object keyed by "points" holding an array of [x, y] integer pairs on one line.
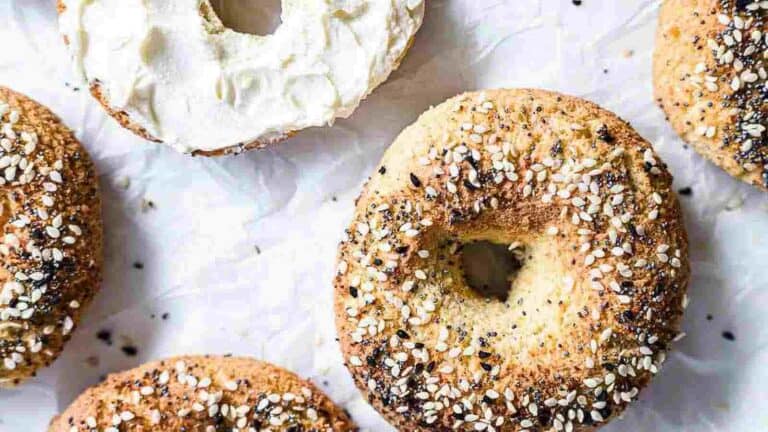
{"points": [[627, 53], [71, 86], [130, 350], [124, 182], [105, 336], [147, 205]]}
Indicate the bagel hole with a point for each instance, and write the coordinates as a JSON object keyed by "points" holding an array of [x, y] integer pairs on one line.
{"points": [[489, 268], [256, 17]]}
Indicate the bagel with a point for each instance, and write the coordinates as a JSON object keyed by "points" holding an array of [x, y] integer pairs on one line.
{"points": [[51, 248], [709, 74], [203, 394], [172, 72], [590, 312]]}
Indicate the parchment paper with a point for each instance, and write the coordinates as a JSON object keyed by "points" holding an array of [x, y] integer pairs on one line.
{"points": [[238, 252]]}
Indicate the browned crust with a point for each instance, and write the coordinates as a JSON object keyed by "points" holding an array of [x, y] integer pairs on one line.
{"points": [[255, 380], [77, 199], [120, 116], [684, 28], [125, 121], [521, 217]]}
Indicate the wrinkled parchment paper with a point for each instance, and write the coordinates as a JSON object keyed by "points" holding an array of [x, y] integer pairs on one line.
{"points": [[239, 251]]}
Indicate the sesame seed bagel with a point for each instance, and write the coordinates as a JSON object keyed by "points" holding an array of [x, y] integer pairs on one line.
{"points": [[203, 394], [51, 247], [588, 208], [172, 72], [710, 79]]}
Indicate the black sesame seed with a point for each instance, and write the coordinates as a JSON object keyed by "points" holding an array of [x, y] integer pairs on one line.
{"points": [[604, 135], [402, 334], [353, 291], [105, 336], [415, 180], [130, 350], [686, 191], [627, 316], [727, 335], [455, 217], [556, 149], [418, 368]]}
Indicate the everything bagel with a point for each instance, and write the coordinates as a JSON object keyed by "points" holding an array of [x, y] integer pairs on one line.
{"points": [[588, 207], [709, 75], [51, 249], [209, 393]]}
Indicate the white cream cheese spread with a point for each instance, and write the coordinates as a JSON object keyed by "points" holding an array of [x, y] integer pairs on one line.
{"points": [[196, 85]]}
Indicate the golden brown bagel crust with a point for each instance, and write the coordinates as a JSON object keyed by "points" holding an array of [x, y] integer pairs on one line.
{"points": [[585, 202], [125, 121], [202, 393], [52, 245], [709, 74]]}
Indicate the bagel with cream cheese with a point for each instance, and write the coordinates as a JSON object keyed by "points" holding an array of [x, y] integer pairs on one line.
{"points": [[170, 71]]}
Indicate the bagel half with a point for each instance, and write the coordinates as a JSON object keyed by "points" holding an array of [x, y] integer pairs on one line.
{"points": [[172, 72]]}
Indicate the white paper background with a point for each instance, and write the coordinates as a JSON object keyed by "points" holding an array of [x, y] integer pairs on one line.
{"points": [[198, 245]]}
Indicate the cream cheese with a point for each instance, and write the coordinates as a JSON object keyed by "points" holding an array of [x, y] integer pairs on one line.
{"points": [[196, 85]]}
